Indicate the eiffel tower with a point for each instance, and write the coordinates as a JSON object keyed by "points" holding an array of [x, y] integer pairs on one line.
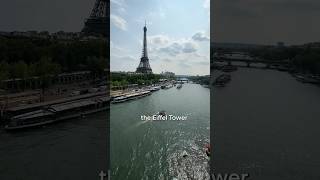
{"points": [[97, 23], [144, 66]]}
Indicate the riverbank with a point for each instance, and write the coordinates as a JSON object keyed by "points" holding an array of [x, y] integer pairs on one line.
{"points": [[299, 76]]}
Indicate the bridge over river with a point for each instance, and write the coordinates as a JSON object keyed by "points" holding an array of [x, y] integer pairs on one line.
{"points": [[248, 61]]}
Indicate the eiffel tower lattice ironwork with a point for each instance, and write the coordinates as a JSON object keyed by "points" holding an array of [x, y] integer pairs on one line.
{"points": [[97, 22], [144, 66]]}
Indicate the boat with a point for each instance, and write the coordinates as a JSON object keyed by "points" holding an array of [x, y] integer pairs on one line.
{"points": [[205, 86], [162, 113], [130, 96], [57, 112], [152, 89], [168, 86], [179, 86], [222, 80], [157, 88], [119, 99], [306, 79], [229, 68]]}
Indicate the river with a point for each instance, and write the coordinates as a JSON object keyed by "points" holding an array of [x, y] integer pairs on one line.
{"points": [[267, 124], [161, 149], [72, 149]]}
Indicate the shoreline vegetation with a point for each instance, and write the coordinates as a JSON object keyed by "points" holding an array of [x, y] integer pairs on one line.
{"points": [[302, 61], [24, 57], [44, 58], [124, 80], [302, 58]]}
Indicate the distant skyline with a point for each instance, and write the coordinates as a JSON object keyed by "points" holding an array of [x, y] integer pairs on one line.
{"points": [[44, 15], [266, 21], [177, 36]]}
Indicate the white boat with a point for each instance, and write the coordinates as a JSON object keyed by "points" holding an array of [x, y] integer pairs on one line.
{"points": [[179, 86], [169, 86], [131, 96], [119, 99]]}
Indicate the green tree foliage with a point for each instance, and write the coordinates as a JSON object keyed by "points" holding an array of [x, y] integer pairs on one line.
{"points": [[45, 67], [4, 70], [19, 70], [123, 79], [23, 57], [308, 62], [97, 65], [200, 79], [304, 58]]}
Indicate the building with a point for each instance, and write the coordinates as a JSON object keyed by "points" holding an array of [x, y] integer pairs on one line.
{"points": [[144, 66], [168, 74], [97, 23]]}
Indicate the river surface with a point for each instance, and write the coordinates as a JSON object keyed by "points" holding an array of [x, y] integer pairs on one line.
{"points": [[72, 149], [161, 149], [267, 124]]}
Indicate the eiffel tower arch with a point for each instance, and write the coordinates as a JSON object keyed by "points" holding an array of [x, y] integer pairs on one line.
{"points": [[97, 23]]}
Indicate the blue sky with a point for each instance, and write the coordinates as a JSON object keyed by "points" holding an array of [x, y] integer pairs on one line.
{"points": [[177, 36]]}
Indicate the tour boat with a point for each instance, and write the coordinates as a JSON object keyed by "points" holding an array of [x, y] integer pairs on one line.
{"points": [[57, 112], [131, 96]]}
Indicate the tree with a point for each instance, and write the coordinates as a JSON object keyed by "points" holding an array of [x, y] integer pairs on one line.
{"points": [[19, 70], [46, 69], [4, 70]]}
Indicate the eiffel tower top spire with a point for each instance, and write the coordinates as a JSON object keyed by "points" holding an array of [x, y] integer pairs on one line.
{"points": [[145, 50]]}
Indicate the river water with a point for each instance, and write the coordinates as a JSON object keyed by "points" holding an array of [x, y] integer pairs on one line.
{"points": [[267, 124], [161, 149], [72, 149]]}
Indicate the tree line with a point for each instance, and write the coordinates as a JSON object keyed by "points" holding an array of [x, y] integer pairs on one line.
{"points": [[305, 58], [124, 79], [27, 57]]}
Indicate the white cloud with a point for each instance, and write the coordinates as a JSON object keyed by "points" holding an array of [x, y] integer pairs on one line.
{"points": [[173, 49], [123, 58], [200, 36], [118, 6], [170, 46], [121, 10], [159, 40], [179, 55], [118, 2], [189, 47], [119, 22]]}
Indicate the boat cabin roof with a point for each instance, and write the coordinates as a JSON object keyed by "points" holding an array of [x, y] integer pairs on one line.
{"points": [[72, 105]]}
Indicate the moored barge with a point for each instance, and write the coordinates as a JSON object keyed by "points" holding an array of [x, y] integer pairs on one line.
{"points": [[58, 112], [130, 96]]}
